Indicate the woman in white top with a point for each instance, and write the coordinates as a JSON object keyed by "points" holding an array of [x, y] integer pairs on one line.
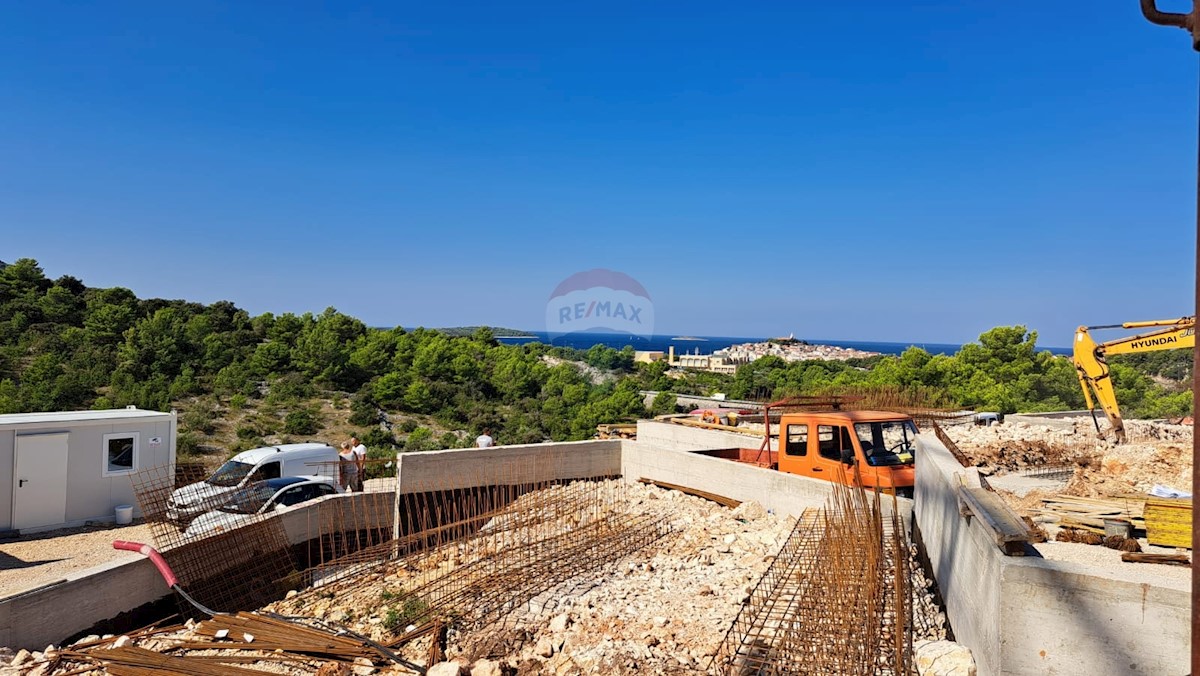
{"points": [[347, 467]]}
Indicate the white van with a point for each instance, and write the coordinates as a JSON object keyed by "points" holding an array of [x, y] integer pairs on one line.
{"points": [[256, 464]]}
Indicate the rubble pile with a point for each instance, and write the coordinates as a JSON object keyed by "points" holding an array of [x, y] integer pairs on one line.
{"points": [[661, 610], [1156, 453]]}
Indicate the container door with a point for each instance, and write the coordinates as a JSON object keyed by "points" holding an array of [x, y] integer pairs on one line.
{"points": [[40, 480]]}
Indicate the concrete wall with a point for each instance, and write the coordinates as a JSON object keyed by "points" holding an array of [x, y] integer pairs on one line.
{"points": [[91, 496], [79, 601], [1025, 615], [1063, 618], [529, 463], [49, 614], [683, 437], [777, 491], [964, 558]]}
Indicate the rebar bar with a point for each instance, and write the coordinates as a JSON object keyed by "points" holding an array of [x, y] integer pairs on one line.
{"points": [[836, 599]]}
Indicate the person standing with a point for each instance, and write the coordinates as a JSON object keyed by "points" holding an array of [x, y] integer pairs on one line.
{"points": [[347, 467], [360, 459], [485, 440]]}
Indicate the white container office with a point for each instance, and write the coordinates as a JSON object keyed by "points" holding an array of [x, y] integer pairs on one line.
{"points": [[67, 468]]}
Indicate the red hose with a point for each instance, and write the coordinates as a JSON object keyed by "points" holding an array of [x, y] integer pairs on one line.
{"points": [[153, 555]]}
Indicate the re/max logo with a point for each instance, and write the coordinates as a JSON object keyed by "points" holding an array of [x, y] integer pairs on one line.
{"points": [[599, 309]]}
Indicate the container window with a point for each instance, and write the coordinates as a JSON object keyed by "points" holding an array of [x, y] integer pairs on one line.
{"points": [[120, 453]]}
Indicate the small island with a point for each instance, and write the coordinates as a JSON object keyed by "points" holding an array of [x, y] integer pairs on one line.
{"points": [[690, 338], [497, 331]]}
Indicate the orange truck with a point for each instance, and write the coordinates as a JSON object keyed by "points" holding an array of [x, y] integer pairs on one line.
{"points": [[828, 444]]}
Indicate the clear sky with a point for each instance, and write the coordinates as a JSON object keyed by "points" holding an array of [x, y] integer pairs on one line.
{"points": [[887, 171]]}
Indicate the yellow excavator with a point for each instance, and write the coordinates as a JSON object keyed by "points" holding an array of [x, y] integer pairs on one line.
{"points": [[1092, 368]]}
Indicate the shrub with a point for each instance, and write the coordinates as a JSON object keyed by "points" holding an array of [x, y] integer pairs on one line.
{"points": [[412, 611], [421, 439], [377, 437], [187, 445], [290, 387], [363, 411], [237, 402], [247, 432], [301, 421], [201, 418]]}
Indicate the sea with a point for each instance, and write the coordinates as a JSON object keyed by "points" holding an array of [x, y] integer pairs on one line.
{"points": [[708, 344]]}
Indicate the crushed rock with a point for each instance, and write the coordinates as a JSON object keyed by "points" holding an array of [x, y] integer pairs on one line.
{"points": [[1156, 453]]}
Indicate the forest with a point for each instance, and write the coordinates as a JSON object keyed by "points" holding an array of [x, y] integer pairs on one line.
{"points": [[238, 380]]}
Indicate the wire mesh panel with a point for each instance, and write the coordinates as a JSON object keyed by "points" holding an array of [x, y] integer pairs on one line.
{"points": [[836, 600], [469, 557], [243, 565]]}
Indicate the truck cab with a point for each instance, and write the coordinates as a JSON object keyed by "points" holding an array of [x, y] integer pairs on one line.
{"points": [[826, 445]]}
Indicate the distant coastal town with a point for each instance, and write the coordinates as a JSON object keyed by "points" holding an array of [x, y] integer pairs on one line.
{"points": [[726, 360], [789, 350]]}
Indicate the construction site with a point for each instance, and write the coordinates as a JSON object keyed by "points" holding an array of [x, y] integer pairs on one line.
{"points": [[658, 554]]}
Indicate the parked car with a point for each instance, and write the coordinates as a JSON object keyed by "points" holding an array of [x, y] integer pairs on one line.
{"points": [[247, 467], [262, 497]]}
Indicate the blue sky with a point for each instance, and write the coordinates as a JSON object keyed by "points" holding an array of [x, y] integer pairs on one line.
{"points": [[862, 171]]}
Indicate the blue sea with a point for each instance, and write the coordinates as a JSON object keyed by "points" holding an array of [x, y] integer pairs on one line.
{"points": [[707, 344]]}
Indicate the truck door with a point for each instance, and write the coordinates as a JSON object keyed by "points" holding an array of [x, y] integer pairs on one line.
{"points": [[795, 458], [832, 440]]}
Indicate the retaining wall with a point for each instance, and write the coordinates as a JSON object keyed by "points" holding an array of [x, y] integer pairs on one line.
{"points": [[529, 463], [48, 614], [1026, 615], [672, 436]]}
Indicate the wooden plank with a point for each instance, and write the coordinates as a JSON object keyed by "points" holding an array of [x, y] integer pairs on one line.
{"points": [[1173, 559], [1009, 531], [719, 499]]}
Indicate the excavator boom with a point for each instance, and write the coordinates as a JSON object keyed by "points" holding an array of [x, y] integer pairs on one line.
{"points": [[1092, 368]]}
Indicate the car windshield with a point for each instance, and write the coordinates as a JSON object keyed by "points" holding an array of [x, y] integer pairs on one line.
{"points": [[230, 474], [889, 442], [249, 499]]}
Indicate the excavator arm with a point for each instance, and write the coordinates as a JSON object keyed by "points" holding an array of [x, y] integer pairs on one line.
{"points": [[1092, 368]]}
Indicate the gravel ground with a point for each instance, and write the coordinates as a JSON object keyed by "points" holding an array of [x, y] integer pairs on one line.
{"points": [[1110, 561], [35, 560]]}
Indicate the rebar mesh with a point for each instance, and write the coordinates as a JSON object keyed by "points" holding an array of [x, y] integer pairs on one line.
{"points": [[469, 557], [836, 600], [237, 569]]}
